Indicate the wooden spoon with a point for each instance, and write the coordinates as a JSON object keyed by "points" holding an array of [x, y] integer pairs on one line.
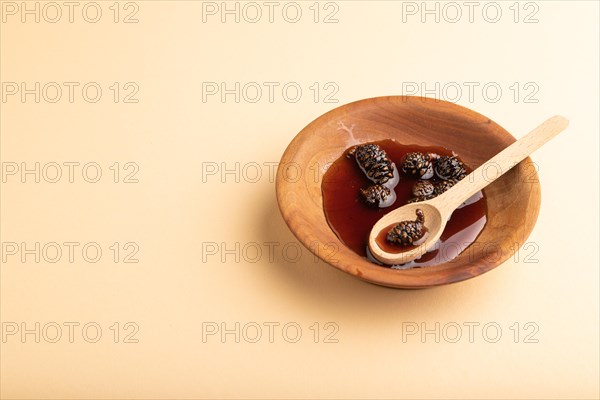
{"points": [[438, 210]]}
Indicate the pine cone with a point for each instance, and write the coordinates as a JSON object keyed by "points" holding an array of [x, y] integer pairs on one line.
{"points": [[375, 195], [442, 186], [407, 232], [422, 188], [417, 199], [417, 165], [459, 177], [449, 167], [374, 162]]}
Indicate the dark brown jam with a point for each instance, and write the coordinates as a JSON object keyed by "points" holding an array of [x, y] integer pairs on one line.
{"points": [[352, 219]]}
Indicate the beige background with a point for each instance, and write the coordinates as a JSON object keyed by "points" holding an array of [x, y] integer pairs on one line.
{"points": [[174, 212]]}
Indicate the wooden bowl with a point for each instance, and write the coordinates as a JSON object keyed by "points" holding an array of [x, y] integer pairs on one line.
{"points": [[513, 200]]}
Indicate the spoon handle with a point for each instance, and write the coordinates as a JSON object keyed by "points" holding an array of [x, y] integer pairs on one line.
{"points": [[501, 163]]}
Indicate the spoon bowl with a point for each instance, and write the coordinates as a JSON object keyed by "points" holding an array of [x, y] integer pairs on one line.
{"points": [[434, 224]]}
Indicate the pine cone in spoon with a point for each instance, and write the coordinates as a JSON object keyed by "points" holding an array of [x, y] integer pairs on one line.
{"points": [[407, 233]]}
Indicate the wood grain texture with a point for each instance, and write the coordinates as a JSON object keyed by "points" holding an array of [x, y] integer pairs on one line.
{"points": [[513, 199]]}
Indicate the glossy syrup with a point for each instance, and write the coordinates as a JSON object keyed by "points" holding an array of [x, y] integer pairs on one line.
{"points": [[351, 219]]}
